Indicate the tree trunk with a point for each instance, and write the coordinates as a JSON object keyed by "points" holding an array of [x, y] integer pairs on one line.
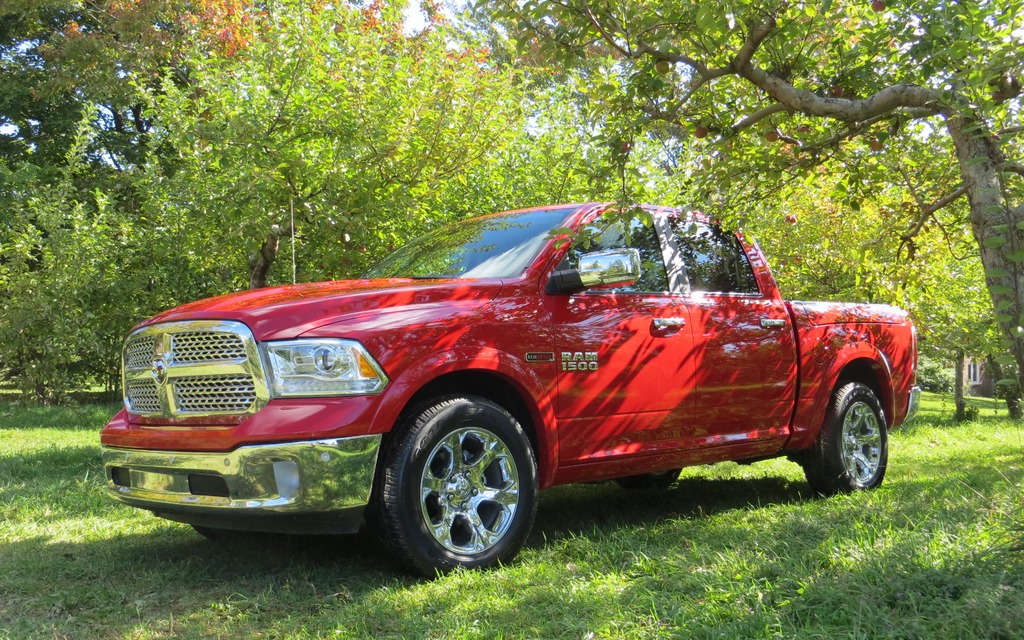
{"points": [[1009, 393], [958, 387], [261, 261], [996, 225]]}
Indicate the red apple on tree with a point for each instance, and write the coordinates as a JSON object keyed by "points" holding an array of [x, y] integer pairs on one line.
{"points": [[878, 6], [662, 66], [772, 135], [791, 218], [700, 131]]}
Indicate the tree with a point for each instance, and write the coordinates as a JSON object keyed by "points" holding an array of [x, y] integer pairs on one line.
{"points": [[363, 135], [783, 87], [170, 145]]}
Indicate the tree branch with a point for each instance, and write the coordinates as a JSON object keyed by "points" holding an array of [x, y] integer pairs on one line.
{"points": [[758, 116], [954, 195], [703, 72], [1013, 167], [604, 33], [927, 210], [758, 34]]}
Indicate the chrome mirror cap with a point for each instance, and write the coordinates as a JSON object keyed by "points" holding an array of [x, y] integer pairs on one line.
{"points": [[608, 268]]}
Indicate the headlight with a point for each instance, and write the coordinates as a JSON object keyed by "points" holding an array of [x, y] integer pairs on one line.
{"points": [[322, 367]]}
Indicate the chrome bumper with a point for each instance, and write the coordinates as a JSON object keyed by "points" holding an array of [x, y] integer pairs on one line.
{"points": [[914, 405], [311, 486]]}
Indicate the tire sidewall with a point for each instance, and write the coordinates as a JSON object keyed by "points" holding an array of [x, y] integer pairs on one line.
{"points": [[844, 402], [432, 426]]}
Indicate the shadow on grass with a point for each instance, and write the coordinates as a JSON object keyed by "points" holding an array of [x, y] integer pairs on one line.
{"points": [[578, 509], [171, 574], [736, 556]]}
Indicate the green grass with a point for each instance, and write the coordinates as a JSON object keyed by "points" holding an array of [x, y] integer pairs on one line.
{"points": [[730, 551]]}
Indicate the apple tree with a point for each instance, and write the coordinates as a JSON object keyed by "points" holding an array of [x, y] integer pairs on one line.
{"points": [[765, 93]]}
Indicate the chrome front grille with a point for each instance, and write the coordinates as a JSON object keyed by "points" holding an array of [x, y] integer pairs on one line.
{"points": [[190, 369], [197, 346], [138, 353], [143, 396], [215, 394]]}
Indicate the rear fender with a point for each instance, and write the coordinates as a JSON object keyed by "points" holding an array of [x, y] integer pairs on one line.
{"points": [[861, 360]]}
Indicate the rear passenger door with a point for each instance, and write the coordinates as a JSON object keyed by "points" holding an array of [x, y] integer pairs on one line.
{"points": [[744, 345]]}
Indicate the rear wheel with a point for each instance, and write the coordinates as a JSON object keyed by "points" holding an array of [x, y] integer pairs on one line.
{"points": [[852, 450], [659, 480], [458, 488]]}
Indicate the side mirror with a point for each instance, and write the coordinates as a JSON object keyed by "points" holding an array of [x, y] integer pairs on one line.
{"points": [[614, 267]]}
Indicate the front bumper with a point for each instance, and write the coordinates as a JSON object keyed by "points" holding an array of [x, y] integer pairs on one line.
{"points": [[317, 486], [914, 404]]}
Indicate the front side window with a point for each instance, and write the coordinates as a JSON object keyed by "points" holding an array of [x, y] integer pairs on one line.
{"points": [[491, 247], [714, 259], [641, 237]]}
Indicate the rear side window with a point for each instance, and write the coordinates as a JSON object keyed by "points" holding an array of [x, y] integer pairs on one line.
{"points": [[714, 260]]}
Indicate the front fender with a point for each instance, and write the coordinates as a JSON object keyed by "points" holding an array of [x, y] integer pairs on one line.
{"points": [[521, 376]]}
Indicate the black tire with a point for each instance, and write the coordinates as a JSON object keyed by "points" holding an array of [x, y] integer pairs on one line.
{"points": [[852, 450], [458, 488], [659, 480]]}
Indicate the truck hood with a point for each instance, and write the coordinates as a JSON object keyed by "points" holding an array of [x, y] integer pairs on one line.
{"points": [[277, 313]]}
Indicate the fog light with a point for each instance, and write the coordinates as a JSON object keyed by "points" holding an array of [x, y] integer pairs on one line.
{"points": [[286, 473]]}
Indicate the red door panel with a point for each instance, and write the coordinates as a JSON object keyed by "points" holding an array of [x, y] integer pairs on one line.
{"points": [[625, 373], [746, 380]]}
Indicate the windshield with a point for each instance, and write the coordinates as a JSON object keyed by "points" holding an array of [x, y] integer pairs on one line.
{"points": [[491, 247]]}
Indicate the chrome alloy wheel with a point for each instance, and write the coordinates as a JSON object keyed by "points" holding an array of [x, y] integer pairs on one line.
{"points": [[469, 490], [861, 443]]}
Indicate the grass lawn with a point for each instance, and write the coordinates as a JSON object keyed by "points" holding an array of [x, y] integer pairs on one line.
{"points": [[730, 551]]}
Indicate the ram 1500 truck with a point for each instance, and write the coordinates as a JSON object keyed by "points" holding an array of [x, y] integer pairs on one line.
{"points": [[490, 359]]}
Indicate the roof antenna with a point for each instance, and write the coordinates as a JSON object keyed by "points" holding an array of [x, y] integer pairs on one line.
{"points": [[291, 208]]}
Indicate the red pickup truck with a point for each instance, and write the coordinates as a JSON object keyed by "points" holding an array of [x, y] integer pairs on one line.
{"points": [[488, 360]]}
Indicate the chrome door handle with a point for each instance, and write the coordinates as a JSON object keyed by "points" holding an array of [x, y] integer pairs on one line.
{"points": [[772, 323], [666, 323]]}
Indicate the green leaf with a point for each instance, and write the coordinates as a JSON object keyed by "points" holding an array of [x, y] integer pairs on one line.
{"points": [[994, 242]]}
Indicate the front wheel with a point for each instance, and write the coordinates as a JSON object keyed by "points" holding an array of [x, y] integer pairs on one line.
{"points": [[458, 488], [852, 450]]}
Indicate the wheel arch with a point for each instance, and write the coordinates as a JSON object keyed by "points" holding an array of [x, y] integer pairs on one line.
{"points": [[499, 389], [858, 362], [873, 373]]}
